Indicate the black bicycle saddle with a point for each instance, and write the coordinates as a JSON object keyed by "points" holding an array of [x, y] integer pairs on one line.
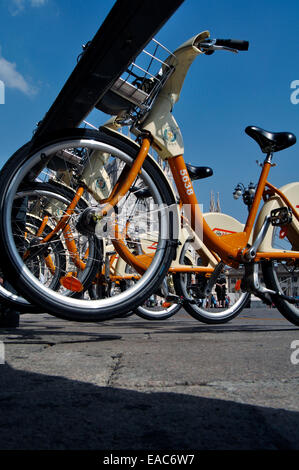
{"points": [[271, 141], [199, 172]]}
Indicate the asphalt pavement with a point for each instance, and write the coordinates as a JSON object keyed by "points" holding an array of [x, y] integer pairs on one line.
{"points": [[134, 384]]}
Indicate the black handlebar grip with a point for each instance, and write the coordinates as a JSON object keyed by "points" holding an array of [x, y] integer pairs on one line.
{"points": [[233, 44]]}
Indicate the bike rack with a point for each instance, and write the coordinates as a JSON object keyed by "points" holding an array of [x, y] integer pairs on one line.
{"points": [[125, 32]]}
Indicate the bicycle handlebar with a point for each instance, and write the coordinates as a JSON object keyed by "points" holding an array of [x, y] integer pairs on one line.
{"points": [[233, 44]]}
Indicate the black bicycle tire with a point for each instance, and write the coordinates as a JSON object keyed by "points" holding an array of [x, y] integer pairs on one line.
{"points": [[59, 309], [158, 317], [287, 309]]}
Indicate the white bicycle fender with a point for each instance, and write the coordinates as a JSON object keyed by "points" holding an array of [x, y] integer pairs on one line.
{"points": [[291, 191]]}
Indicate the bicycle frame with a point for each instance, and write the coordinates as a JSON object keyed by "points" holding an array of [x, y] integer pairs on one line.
{"points": [[218, 222], [232, 247], [167, 141]]}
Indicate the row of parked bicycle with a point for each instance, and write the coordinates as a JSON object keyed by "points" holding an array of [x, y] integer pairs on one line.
{"points": [[92, 228]]}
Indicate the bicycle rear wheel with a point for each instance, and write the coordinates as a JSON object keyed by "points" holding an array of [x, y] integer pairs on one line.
{"points": [[51, 261], [159, 306], [71, 153], [282, 275], [38, 265], [224, 303]]}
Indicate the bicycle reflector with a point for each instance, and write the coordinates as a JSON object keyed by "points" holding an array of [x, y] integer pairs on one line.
{"points": [[71, 283]]}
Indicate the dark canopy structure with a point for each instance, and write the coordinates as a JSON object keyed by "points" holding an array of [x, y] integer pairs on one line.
{"points": [[129, 26]]}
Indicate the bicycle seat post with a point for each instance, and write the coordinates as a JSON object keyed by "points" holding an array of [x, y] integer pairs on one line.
{"points": [[268, 158], [259, 191]]}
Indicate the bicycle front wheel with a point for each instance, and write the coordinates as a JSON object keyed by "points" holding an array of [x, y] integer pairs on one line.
{"points": [[10, 297], [93, 160]]}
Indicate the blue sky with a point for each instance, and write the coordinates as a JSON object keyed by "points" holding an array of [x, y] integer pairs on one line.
{"points": [[222, 94]]}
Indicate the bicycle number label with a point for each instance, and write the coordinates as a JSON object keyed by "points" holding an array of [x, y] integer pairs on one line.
{"points": [[187, 182]]}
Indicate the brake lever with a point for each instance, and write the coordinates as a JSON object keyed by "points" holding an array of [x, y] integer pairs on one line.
{"points": [[209, 46], [224, 48]]}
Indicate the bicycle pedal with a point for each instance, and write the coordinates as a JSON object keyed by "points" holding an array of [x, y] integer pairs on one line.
{"points": [[197, 290], [173, 298], [265, 297], [291, 300], [193, 300], [281, 216]]}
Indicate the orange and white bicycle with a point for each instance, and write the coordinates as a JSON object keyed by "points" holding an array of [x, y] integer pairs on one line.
{"points": [[145, 102]]}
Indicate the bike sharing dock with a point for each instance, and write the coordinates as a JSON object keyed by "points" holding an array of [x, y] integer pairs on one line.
{"points": [[132, 384]]}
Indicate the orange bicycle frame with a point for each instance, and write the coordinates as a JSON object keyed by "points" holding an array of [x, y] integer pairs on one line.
{"points": [[231, 248]]}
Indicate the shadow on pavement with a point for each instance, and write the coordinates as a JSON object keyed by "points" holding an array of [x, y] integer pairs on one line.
{"points": [[43, 333], [47, 412]]}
